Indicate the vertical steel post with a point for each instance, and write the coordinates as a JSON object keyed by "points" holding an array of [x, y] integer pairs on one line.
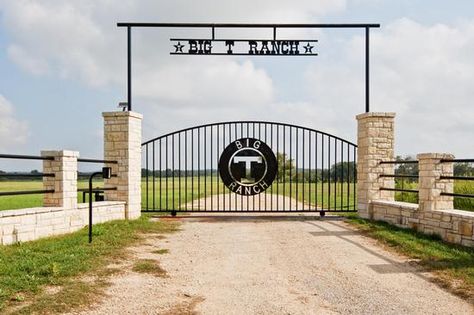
{"points": [[129, 68], [367, 77], [90, 204]]}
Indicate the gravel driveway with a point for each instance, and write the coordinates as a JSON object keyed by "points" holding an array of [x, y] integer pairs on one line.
{"points": [[286, 264]]}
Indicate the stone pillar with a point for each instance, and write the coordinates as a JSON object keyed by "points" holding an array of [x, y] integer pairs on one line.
{"points": [[64, 182], [430, 184], [375, 141], [122, 143]]}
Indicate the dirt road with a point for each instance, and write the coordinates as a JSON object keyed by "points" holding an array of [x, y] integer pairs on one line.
{"points": [[283, 265]]}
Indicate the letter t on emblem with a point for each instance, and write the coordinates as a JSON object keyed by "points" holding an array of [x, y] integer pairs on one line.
{"points": [[248, 165]]}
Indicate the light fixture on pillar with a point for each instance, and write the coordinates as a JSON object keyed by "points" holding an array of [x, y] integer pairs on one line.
{"points": [[123, 106]]}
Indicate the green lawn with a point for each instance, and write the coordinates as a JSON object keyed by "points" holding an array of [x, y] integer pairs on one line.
{"points": [[30, 201], [26, 268], [176, 193], [460, 187], [206, 186]]}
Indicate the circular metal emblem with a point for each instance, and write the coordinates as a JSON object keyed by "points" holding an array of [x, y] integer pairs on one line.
{"points": [[248, 166]]}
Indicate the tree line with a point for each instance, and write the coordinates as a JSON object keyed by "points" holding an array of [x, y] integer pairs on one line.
{"points": [[459, 169], [287, 171]]}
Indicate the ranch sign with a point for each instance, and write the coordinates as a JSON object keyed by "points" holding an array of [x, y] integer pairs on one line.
{"points": [[243, 47], [248, 166]]}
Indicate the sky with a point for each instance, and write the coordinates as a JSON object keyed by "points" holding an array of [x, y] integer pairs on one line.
{"points": [[62, 63]]}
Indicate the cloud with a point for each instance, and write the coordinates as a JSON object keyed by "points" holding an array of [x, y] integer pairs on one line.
{"points": [[27, 61], [422, 72], [12, 131], [80, 40], [210, 83]]}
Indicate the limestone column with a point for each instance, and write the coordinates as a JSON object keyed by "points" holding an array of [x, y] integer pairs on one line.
{"points": [[431, 185], [64, 182], [375, 143], [122, 143]]}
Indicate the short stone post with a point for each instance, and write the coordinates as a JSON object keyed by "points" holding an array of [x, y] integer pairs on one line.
{"points": [[64, 182], [122, 143], [431, 185], [375, 143]]}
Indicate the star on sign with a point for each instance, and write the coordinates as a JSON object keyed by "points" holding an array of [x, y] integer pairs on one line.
{"points": [[308, 48], [179, 47]]}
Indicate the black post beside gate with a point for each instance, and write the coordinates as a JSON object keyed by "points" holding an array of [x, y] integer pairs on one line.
{"points": [[316, 171]]}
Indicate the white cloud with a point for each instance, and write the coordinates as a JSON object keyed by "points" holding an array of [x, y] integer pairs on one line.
{"points": [[210, 83], [12, 131], [27, 60], [424, 73], [80, 39]]}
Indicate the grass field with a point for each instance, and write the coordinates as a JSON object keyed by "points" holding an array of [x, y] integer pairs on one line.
{"points": [[180, 192], [26, 268], [460, 187], [30, 201], [176, 194]]}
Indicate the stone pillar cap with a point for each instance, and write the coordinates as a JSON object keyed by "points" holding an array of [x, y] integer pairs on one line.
{"points": [[376, 114], [441, 156], [67, 153], [122, 114]]}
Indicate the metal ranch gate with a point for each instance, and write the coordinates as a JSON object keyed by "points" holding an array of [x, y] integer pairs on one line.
{"points": [[316, 171]]}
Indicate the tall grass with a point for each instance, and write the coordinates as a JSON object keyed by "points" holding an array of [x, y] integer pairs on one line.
{"points": [[460, 187]]}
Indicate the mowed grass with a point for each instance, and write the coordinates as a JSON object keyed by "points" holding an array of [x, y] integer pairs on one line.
{"points": [[31, 201], [26, 268], [453, 264], [460, 187], [178, 193]]}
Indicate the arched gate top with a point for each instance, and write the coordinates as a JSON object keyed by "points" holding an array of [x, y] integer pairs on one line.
{"points": [[250, 122]]}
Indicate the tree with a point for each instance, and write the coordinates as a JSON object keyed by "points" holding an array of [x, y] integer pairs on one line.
{"points": [[406, 168], [343, 172], [285, 166], [463, 169]]}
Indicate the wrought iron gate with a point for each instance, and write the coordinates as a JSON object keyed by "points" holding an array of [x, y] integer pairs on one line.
{"points": [[316, 170]]}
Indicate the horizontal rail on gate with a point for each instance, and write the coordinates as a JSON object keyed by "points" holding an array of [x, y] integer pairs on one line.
{"points": [[97, 189], [457, 195], [399, 162], [25, 175], [249, 122], [87, 175], [51, 158], [26, 157], [399, 176], [26, 192], [457, 160], [457, 177], [97, 161], [399, 189]]}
